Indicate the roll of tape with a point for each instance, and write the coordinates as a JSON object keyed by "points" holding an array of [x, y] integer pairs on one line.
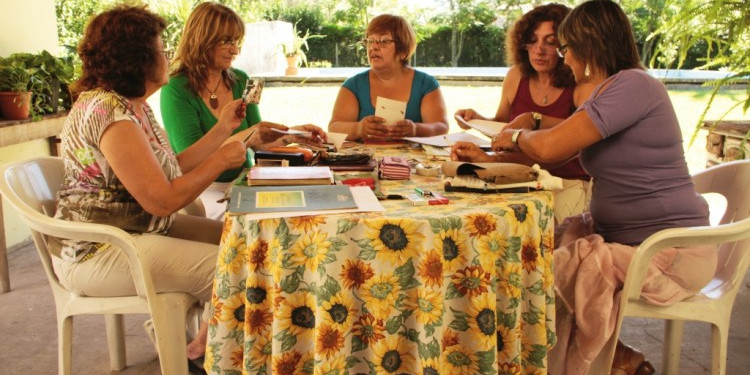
{"points": [[424, 169]]}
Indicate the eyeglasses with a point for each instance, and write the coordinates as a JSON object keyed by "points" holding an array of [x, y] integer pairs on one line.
{"points": [[227, 42], [168, 53], [544, 48], [382, 42], [561, 50]]}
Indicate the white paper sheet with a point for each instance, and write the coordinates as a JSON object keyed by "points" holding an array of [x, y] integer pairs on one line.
{"points": [[448, 140], [363, 196], [337, 139], [391, 110], [486, 127]]}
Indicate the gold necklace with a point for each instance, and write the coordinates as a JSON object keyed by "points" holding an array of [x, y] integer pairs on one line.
{"points": [[544, 97], [213, 100]]}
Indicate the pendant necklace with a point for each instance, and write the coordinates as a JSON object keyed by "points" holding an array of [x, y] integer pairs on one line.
{"points": [[213, 100], [544, 98]]}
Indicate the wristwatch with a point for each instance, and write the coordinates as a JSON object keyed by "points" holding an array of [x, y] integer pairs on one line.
{"points": [[537, 120], [514, 136]]}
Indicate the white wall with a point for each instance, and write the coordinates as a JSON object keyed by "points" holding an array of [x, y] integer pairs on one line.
{"points": [[28, 26], [25, 26], [261, 51]]}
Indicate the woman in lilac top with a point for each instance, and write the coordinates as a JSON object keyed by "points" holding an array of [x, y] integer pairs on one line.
{"points": [[630, 143]]}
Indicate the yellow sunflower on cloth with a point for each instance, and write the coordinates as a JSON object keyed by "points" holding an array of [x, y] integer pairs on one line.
{"points": [[427, 305], [380, 294], [491, 248], [482, 320], [355, 272], [430, 269], [457, 360], [310, 250], [395, 240], [393, 356], [297, 314], [368, 329], [306, 223], [340, 311], [328, 341], [480, 224], [232, 255], [335, 366]]}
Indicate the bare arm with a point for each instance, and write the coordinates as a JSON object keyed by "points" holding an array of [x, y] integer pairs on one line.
{"points": [[344, 116], [129, 154]]}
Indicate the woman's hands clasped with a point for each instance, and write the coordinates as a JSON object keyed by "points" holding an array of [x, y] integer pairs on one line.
{"points": [[375, 127]]}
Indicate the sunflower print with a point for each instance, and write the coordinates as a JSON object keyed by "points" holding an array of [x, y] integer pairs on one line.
{"points": [[530, 256], [355, 272], [450, 338], [509, 284], [457, 360], [393, 355], [452, 244], [480, 224], [394, 240], [380, 294], [306, 223], [258, 319], [310, 250], [236, 357], [520, 219], [472, 280], [431, 366], [507, 368], [232, 312], [261, 351], [368, 329], [482, 320], [257, 255], [340, 312], [431, 269], [231, 254], [328, 341], [297, 314], [507, 346], [275, 251], [335, 366], [287, 363], [427, 306], [491, 248], [257, 290]]}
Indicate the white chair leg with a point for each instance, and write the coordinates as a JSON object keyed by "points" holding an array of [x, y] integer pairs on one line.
{"points": [[719, 337], [115, 325], [169, 325], [673, 330], [64, 344]]}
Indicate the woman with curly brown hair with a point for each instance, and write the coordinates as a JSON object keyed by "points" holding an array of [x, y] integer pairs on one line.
{"points": [[538, 92], [120, 170]]}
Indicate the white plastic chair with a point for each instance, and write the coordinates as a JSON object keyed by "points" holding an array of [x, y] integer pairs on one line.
{"points": [[714, 303], [31, 187]]}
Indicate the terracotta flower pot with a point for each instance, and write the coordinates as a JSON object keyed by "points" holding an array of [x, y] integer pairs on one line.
{"points": [[291, 63], [15, 105]]}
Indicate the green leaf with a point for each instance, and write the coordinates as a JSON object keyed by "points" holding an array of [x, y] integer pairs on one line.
{"points": [[393, 324], [460, 321], [345, 225], [405, 274], [287, 340], [486, 360]]}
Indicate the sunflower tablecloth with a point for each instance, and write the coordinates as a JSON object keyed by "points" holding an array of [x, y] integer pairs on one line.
{"points": [[462, 288]]}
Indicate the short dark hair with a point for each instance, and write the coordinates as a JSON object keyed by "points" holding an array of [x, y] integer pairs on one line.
{"points": [[402, 32], [119, 51], [599, 33], [522, 30]]}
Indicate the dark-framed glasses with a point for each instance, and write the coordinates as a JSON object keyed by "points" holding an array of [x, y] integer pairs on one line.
{"points": [[379, 42], [227, 42], [561, 50]]}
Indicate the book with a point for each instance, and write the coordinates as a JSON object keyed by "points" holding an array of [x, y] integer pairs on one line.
{"points": [[254, 199], [281, 176], [486, 127]]}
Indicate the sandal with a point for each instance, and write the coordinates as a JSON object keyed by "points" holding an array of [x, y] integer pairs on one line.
{"points": [[629, 361]]}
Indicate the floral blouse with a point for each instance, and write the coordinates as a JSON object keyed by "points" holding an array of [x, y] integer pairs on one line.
{"points": [[90, 191]]}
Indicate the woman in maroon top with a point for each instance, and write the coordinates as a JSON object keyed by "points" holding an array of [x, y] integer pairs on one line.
{"points": [[538, 91]]}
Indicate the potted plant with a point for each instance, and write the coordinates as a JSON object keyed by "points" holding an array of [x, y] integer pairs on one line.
{"points": [[295, 51], [15, 94], [46, 76]]}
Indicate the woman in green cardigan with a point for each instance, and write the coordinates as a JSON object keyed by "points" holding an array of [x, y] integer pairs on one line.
{"points": [[203, 82]]}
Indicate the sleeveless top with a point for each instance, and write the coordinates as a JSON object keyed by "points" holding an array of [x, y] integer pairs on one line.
{"points": [[560, 108]]}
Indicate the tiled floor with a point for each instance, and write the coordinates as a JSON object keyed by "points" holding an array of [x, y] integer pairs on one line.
{"points": [[28, 338]]}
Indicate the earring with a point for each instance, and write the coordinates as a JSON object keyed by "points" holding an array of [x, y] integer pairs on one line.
{"points": [[587, 71]]}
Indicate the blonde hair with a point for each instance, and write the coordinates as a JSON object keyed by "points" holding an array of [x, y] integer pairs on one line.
{"points": [[403, 34], [207, 24]]}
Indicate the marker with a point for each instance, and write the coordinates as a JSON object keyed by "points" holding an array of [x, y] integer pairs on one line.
{"points": [[422, 192]]}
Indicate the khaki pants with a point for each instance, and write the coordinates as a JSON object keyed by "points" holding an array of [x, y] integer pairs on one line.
{"points": [[184, 261]]}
